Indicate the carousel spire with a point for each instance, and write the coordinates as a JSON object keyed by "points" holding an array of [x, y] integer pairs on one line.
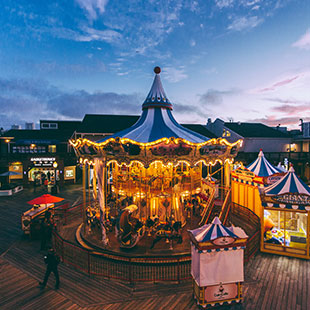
{"points": [[157, 97]]}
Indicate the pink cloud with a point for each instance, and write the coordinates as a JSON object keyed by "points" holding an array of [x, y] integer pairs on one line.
{"points": [[272, 120], [279, 84], [292, 109]]}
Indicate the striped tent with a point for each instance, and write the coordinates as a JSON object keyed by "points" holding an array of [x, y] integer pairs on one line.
{"points": [[157, 121], [261, 166], [290, 183], [212, 231]]}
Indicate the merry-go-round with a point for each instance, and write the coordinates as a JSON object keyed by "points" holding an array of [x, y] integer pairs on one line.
{"points": [[145, 186]]}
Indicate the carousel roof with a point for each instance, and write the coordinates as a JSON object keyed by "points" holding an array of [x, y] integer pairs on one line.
{"points": [[156, 120], [212, 231], [262, 167], [290, 183]]}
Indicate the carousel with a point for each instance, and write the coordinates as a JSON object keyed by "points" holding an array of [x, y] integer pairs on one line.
{"points": [[145, 183]]}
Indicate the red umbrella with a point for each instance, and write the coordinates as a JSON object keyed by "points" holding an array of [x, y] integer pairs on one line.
{"points": [[45, 199]]}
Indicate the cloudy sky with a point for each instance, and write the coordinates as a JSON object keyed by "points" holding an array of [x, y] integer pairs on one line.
{"points": [[240, 60]]}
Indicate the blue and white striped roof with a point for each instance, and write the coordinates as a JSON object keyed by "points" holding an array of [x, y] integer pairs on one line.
{"points": [[262, 167], [290, 183], [212, 231], [156, 120]]}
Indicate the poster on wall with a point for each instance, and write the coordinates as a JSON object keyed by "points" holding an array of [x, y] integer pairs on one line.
{"points": [[69, 173]]}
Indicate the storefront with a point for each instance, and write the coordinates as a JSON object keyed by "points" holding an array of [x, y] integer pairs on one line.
{"points": [[42, 168], [286, 213]]}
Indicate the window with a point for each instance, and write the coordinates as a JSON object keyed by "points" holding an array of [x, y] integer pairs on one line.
{"points": [[52, 148], [285, 228], [49, 126]]}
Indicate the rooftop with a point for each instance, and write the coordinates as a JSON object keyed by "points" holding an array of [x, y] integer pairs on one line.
{"points": [[257, 130]]}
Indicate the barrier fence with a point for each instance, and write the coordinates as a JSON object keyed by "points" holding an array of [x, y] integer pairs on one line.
{"points": [[135, 269]]}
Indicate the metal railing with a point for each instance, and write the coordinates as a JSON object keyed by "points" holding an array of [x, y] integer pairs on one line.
{"points": [[139, 268]]}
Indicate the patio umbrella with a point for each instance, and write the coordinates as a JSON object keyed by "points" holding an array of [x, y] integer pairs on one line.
{"points": [[9, 173], [45, 199]]}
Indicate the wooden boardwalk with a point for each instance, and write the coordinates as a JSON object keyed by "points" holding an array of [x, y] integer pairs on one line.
{"points": [[271, 282]]}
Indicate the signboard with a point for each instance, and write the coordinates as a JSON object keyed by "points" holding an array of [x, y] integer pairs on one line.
{"points": [[221, 292], [294, 199], [43, 161], [69, 173], [274, 178]]}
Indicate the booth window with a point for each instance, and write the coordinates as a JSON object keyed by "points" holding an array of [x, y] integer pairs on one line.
{"points": [[52, 148], [285, 228]]}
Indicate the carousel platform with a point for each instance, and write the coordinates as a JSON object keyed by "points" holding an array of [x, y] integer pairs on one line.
{"points": [[146, 247]]}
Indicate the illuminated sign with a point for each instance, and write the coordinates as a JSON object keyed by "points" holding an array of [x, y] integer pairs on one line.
{"points": [[43, 161], [294, 199], [69, 173]]}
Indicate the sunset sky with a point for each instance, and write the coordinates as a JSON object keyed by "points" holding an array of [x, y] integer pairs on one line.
{"points": [[240, 60]]}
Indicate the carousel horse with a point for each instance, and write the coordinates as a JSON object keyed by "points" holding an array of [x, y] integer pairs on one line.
{"points": [[169, 232], [129, 230]]}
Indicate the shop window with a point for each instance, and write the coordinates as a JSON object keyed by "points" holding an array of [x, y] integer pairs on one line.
{"points": [[52, 148], [285, 228]]}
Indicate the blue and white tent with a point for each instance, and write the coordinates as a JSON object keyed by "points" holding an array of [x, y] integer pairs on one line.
{"points": [[157, 121], [290, 183], [262, 167], [212, 231]]}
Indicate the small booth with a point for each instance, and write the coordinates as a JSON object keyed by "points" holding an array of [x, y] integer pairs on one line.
{"points": [[246, 182], [217, 263], [286, 225], [32, 218]]}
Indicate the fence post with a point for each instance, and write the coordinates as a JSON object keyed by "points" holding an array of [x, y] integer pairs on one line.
{"points": [[178, 266], [62, 250], [65, 216], [130, 271], [88, 262]]}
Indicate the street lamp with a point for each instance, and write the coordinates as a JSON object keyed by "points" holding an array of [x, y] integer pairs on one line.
{"points": [[55, 165]]}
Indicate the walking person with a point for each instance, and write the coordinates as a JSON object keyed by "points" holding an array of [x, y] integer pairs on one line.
{"points": [[51, 260], [46, 230]]}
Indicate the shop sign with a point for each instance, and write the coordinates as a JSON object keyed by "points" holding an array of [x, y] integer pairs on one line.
{"points": [[294, 199], [220, 292], [274, 178], [244, 174], [43, 161]]}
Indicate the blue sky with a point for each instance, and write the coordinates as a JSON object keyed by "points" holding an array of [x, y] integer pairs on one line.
{"points": [[246, 60]]}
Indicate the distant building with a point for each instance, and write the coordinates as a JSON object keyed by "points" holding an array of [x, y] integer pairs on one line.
{"points": [[30, 126], [16, 127], [254, 135], [278, 144], [35, 153]]}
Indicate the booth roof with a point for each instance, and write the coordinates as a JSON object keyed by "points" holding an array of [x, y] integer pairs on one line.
{"points": [[212, 231], [290, 183], [157, 121], [262, 167]]}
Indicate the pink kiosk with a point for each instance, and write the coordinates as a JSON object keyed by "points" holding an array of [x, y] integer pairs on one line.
{"points": [[217, 263]]}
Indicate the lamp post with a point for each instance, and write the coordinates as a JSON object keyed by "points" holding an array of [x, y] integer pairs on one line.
{"points": [[55, 165]]}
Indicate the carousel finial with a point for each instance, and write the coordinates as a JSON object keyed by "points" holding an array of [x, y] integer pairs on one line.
{"points": [[157, 70]]}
